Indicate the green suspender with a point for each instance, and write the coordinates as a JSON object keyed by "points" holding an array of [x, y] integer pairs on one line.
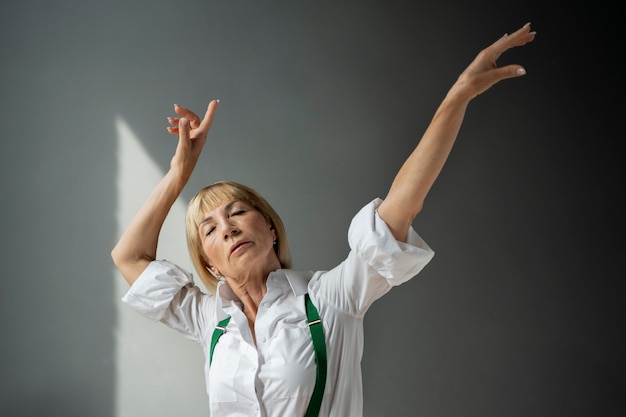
{"points": [[319, 346], [220, 329]]}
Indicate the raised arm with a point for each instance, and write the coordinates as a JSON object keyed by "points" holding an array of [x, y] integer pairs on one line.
{"points": [[138, 245], [417, 175]]}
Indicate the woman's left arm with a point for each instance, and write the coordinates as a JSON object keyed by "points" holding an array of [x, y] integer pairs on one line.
{"points": [[406, 196]]}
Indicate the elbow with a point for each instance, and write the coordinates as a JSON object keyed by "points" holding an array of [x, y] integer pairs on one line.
{"points": [[131, 266], [119, 260], [116, 256]]}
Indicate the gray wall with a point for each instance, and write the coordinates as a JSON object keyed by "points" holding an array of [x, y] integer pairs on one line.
{"points": [[520, 312]]}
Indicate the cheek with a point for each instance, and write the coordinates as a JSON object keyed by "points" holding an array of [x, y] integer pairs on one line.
{"points": [[209, 250], [270, 236], [263, 230]]}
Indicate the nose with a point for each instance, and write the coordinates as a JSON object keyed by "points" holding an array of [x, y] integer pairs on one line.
{"points": [[230, 230]]}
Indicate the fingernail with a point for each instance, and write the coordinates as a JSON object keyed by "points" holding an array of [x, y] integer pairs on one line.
{"points": [[527, 24], [183, 121], [521, 71]]}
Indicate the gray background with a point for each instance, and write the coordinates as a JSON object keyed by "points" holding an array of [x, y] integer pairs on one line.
{"points": [[520, 312]]}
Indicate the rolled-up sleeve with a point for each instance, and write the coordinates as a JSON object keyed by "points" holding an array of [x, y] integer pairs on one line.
{"points": [[372, 241], [376, 263], [166, 292]]}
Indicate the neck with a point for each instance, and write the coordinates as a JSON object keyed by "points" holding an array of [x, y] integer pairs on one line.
{"points": [[250, 293], [250, 288]]}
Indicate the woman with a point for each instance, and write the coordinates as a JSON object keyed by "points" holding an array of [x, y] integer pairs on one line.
{"points": [[280, 342]]}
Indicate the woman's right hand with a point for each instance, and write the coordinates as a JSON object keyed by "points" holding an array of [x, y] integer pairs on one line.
{"points": [[137, 246], [192, 135]]}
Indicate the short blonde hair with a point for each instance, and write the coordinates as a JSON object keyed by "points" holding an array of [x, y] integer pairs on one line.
{"points": [[215, 195]]}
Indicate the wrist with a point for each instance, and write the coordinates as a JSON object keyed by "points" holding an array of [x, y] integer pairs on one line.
{"points": [[178, 177], [459, 93]]}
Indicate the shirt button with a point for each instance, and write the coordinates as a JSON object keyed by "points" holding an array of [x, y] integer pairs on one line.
{"points": [[262, 339]]}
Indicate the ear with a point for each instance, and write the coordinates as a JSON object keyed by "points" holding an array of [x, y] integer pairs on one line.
{"points": [[214, 271]]}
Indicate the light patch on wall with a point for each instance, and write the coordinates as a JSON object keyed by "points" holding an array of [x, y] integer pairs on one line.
{"points": [[159, 373]]}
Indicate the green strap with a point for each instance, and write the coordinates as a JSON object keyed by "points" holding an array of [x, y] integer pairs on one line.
{"points": [[319, 346], [220, 329]]}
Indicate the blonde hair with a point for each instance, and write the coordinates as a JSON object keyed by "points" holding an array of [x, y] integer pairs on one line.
{"points": [[215, 195]]}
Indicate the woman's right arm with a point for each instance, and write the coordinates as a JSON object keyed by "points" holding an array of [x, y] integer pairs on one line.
{"points": [[137, 246]]}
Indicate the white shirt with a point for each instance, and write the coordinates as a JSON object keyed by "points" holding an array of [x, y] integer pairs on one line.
{"points": [[275, 377]]}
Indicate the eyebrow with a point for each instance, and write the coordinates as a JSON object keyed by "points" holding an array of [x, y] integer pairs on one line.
{"points": [[226, 208]]}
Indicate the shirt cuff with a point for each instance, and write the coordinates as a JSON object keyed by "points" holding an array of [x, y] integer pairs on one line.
{"points": [[151, 294], [370, 237]]}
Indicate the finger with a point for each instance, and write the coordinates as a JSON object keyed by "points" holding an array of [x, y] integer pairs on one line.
{"points": [[173, 128], [193, 118], [206, 123], [508, 71], [484, 81], [183, 132], [173, 121], [492, 53], [518, 38]]}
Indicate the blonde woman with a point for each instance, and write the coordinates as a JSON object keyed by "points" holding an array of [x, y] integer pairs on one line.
{"points": [[280, 342]]}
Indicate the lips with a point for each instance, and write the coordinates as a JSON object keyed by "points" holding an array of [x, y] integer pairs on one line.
{"points": [[238, 245]]}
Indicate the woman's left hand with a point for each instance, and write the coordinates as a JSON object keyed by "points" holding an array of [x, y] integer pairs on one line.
{"points": [[483, 72], [415, 178]]}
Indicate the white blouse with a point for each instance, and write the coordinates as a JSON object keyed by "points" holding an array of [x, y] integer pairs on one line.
{"points": [[276, 377]]}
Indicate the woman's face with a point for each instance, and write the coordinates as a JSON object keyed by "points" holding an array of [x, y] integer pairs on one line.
{"points": [[236, 238]]}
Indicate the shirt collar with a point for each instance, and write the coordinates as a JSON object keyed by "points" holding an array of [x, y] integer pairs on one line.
{"points": [[298, 281]]}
